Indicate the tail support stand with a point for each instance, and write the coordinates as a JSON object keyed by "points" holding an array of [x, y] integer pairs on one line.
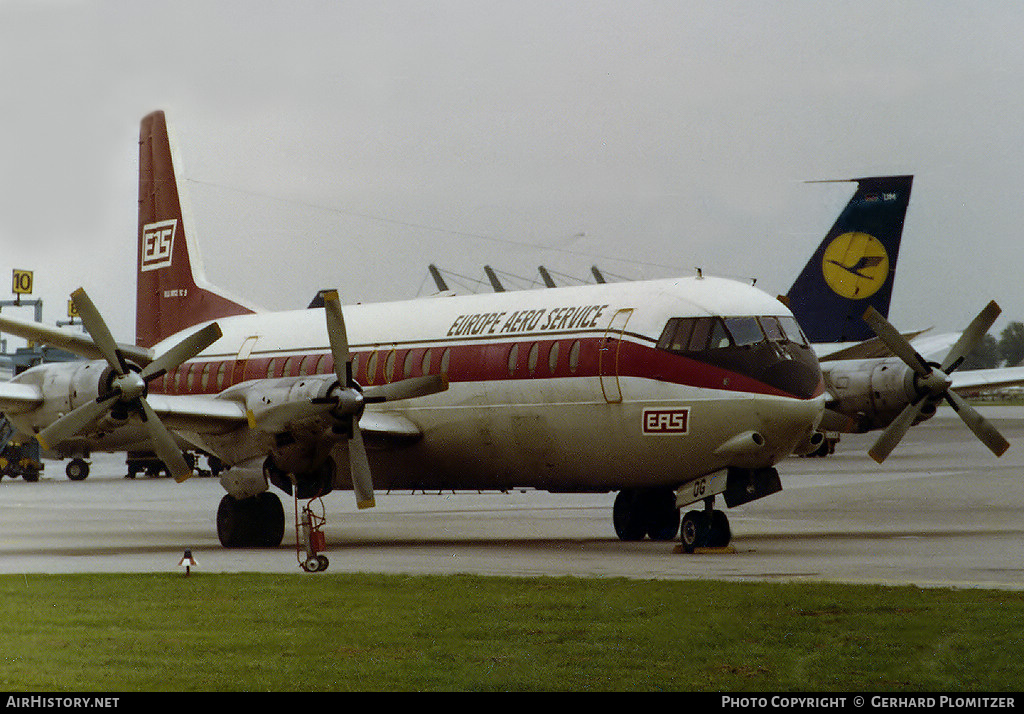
{"points": [[309, 534]]}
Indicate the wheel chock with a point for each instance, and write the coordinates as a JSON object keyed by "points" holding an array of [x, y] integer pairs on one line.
{"points": [[723, 550]]}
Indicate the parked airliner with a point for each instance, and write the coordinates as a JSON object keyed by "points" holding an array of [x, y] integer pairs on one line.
{"points": [[671, 392]]}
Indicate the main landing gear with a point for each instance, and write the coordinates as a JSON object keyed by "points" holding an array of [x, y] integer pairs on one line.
{"points": [[256, 522], [646, 512]]}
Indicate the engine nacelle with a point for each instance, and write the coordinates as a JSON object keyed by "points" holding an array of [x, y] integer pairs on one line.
{"points": [[65, 387], [870, 393], [307, 418]]}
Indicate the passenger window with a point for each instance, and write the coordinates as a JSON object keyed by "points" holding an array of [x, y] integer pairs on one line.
{"points": [[371, 368], [389, 368], [513, 358], [446, 360], [306, 368], [553, 357], [531, 361], [324, 365], [574, 356], [425, 365], [744, 330]]}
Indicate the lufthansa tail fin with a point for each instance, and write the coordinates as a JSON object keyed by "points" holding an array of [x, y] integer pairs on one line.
{"points": [[855, 264], [172, 292]]}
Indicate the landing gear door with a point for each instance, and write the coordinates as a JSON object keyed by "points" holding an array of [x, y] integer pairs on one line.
{"points": [[609, 355]]}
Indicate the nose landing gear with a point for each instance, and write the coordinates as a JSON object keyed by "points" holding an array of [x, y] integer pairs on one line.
{"points": [[705, 529]]}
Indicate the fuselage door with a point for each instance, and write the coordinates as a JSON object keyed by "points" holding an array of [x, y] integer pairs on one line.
{"points": [[609, 355]]}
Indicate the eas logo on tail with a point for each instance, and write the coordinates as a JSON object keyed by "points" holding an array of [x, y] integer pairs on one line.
{"points": [[855, 265], [157, 244]]}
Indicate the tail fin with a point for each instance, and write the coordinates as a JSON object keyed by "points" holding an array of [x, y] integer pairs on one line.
{"points": [[855, 264], [172, 292]]}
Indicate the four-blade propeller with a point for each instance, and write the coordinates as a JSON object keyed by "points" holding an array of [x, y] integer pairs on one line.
{"points": [[932, 382], [350, 399], [128, 387]]}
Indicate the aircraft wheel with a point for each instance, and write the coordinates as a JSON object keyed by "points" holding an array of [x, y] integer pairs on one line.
{"points": [[627, 515], [232, 524], [695, 531], [662, 515], [77, 469], [645, 512], [315, 564], [720, 534], [250, 522], [271, 519]]}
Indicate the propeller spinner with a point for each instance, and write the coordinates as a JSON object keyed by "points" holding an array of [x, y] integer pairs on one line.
{"points": [[932, 382], [128, 387]]}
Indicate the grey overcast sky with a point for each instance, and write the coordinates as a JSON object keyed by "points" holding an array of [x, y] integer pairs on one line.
{"points": [[349, 144]]}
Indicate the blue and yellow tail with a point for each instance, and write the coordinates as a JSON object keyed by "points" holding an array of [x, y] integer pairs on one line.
{"points": [[855, 264]]}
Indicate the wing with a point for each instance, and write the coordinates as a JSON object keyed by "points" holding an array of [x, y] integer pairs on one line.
{"points": [[214, 416], [977, 380], [16, 398], [868, 349], [201, 415], [76, 344]]}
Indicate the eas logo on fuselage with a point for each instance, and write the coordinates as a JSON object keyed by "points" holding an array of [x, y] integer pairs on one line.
{"points": [[664, 421], [157, 244], [855, 265]]}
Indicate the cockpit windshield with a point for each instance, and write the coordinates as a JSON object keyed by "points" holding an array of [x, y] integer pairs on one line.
{"points": [[699, 334], [769, 348]]}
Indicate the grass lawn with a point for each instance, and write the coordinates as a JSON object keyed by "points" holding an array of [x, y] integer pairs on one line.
{"points": [[255, 632]]}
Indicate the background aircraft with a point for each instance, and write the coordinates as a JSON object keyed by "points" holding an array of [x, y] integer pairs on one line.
{"points": [[876, 377], [671, 392]]}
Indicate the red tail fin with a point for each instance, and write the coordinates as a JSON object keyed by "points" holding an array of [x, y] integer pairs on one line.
{"points": [[172, 292]]}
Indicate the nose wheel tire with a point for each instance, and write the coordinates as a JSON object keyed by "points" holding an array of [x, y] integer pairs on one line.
{"points": [[704, 529]]}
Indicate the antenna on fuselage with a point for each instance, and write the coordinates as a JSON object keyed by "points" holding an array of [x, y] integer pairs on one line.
{"points": [[495, 283], [546, 277], [597, 274], [442, 286]]}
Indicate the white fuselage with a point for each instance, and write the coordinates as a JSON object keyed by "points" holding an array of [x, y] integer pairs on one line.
{"points": [[563, 389]]}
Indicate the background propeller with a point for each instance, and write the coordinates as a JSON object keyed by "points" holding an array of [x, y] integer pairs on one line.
{"points": [[127, 387], [350, 399], [932, 382]]}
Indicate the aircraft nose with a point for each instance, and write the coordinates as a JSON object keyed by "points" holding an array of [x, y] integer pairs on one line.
{"points": [[790, 427]]}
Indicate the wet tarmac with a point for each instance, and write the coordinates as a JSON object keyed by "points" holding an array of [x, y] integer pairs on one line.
{"points": [[941, 512]]}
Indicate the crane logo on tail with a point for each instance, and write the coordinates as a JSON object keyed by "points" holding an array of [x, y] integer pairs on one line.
{"points": [[157, 244], [855, 265]]}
